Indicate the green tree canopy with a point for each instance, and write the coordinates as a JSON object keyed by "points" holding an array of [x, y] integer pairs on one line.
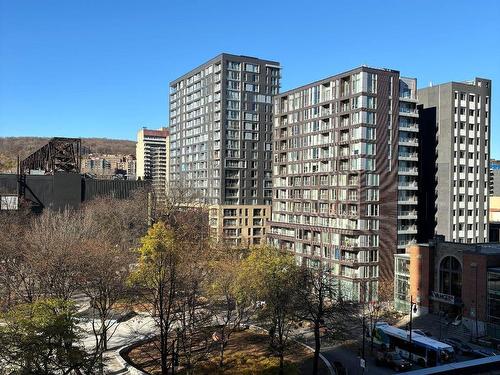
{"points": [[41, 338]]}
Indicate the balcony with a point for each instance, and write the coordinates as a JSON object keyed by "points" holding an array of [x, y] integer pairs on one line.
{"points": [[410, 156], [408, 171], [325, 112], [403, 185], [408, 142], [408, 200], [408, 112], [407, 97], [350, 261], [407, 229], [405, 243], [408, 127], [409, 214]]}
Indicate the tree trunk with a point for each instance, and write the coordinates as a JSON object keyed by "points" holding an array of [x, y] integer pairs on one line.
{"points": [[282, 364], [371, 334], [104, 337], [163, 336], [221, 361], [317, 347]]}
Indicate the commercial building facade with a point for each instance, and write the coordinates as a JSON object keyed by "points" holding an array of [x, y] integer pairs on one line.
{"points": [[458, 280], [345, 175], [454, 160], [494, 219], [153, 158], [220, 133], [494, 206]]}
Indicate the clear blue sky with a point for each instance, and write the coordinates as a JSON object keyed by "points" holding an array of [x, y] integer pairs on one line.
{"points": [[101, 68]]}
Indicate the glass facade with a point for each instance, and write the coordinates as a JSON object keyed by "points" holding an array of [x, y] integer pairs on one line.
{"points": [[402, 282], [450, 276], [494, 296]]}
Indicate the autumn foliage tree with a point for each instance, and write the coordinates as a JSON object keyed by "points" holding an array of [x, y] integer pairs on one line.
{"points": [[272, 277], [42, 338], [157, 275], [231, 305]]}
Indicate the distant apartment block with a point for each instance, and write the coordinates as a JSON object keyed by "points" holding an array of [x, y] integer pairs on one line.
{"points": [[220, 135], [494, 206], [110, 166], [345, 175], [152, 154], [495, 178], [455, 159]]}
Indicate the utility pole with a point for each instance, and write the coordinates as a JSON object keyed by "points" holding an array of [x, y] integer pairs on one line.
{"points": [[411, 321], [412, 307]]}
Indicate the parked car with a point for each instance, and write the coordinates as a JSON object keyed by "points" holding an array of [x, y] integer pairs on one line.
{"points": [[482, 353], [339, 368], [459, 346], [392, 360]]}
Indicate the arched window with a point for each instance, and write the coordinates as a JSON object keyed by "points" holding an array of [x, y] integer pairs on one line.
{"points": [[450, 276]]}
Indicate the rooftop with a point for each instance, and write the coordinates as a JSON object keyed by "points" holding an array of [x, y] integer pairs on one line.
{"points": [[338, 75], [218, 58]]}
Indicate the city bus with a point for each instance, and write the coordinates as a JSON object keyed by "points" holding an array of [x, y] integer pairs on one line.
{"points": [[425, 351]]}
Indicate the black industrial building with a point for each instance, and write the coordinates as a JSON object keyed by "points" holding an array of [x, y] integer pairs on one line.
{"points": [[50, 178]]}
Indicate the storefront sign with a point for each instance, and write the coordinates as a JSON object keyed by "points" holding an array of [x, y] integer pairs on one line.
{"points": [[442, 297]]}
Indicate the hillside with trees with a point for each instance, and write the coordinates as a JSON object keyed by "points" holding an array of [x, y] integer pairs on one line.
{"points": [[11, 147]]}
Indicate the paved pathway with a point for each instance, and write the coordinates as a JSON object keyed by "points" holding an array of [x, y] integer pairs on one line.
{"points": [[135, 329]]}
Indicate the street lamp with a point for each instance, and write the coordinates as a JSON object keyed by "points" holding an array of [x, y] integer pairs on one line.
{"points": [[474, 265], [413, 309]]}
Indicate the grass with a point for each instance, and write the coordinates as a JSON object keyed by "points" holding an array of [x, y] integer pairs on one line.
{"points": [[247, 353]]}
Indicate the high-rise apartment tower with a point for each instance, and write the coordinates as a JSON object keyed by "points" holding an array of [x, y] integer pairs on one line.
{"points": [[454, 160], [152, 154], [220, 140], [345, 174]]}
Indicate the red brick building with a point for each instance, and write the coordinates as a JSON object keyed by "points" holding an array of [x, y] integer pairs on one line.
{"points": [[461, 281]]}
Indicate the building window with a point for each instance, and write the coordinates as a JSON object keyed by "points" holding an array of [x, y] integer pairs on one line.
{"points": [[494, 297], [372, 83], [450, 276]]}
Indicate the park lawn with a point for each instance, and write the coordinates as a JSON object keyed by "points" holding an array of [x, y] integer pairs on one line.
{"points": [[247, 353]]}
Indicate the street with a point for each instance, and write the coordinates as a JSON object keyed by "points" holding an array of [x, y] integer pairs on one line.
{"points": [[351, 361]]}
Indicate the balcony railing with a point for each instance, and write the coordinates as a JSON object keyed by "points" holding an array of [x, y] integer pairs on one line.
{"points": [[407, 214], [408, 169], [409, 140]]}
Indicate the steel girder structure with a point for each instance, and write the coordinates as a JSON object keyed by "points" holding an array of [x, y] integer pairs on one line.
{"points": [[59, 155]]}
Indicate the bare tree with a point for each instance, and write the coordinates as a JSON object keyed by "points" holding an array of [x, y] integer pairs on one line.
{"points": [[192, 313], [16, 280], [121, 222], [54, 252], [322, 305], [103, 279], [377, 306]]}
